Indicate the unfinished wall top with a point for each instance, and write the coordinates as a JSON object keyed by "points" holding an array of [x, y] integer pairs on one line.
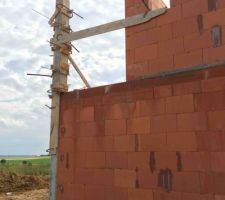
{"points": [[190, 33]]}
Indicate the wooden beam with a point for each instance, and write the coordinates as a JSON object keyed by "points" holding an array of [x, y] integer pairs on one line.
{"points": [[79, 72], [59, 85], [112, 26]]}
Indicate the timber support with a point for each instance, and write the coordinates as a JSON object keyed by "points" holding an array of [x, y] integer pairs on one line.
{"points": [[60, 71]]}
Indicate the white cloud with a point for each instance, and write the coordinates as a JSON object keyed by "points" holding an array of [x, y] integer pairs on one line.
{"points": [[24, 120]]}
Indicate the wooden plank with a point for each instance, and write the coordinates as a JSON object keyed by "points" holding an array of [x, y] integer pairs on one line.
{"points": [[59, 84], [112, 26], [79, 72]]}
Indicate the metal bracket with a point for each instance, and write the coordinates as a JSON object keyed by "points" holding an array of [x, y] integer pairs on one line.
{"points": [[59, 87], [52, 151]]}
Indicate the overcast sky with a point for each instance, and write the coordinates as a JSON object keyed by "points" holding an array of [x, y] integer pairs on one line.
{"points": [[24, 119]]}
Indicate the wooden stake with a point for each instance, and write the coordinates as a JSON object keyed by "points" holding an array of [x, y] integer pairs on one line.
{"points": [[59, 85]]}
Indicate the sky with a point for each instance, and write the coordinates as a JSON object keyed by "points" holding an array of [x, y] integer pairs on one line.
{"points": [[24, 118]]}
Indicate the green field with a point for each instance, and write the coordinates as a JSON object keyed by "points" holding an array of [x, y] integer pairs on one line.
{"points": [[27, 166]]}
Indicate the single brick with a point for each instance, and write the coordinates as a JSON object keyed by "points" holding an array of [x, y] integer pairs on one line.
{"points": [[115, 127], [125, 178], [193, 8], [138, 160], [207, 182], [219, 183], [104, 144], [78, 192], [68, 116], [185, 27], [213, 55], [138, 69], [71, 191], [163, 91], [116, 193], [214, 84], [218, 161], [86, 114], [116, 111], [94, 192], [161, 64], [88, 144], [65, 175], [158, 106], [171, 47], [186, 182], [125, 143], [84, 144], [142, 108], [91, 129], [187, 88], [136, 194], [216, 120], [166, 160], [196, 161], [214, 18], [175, 2], [181, 141], [66, 145], [147, 179], [116, 160], [69, 130], [190, 59], [159, 34], [130, 57], [190, 196], [136, 40], [163, 123], [220, 197], [79, 159], [152, 142], [83, 176], [103, 177], [95, 160], [192, 121], [197, 41], [139, 125], [210, 101], [162, 195], [210, 141], [149, 52], [180, 104]]}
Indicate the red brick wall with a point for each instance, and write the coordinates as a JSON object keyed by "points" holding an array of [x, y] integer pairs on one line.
{"points": [[115, 141], [183, 37], [152, 139]]}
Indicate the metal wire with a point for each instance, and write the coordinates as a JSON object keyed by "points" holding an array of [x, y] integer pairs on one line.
{"points": [[41, 14], [60, 6]]}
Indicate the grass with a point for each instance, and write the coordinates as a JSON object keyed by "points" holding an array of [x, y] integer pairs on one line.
{"points": [[27, 166]]}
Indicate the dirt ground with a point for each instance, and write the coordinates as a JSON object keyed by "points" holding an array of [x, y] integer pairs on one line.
{"points": [[16, 187], [12, 182], [29, 195]]}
